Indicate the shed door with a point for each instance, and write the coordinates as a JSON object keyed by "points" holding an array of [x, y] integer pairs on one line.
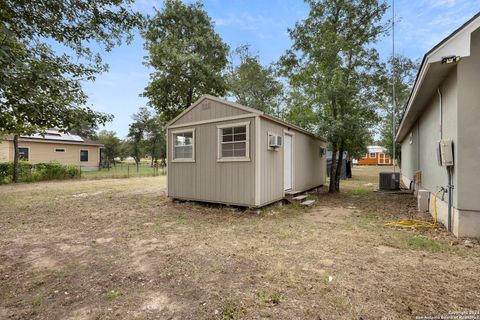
{"points": [[287, 162]]}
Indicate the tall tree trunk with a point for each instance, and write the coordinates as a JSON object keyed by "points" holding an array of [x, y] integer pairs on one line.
{"points": [[189, 97], [338, 173], [16, 157], [333, 168]]}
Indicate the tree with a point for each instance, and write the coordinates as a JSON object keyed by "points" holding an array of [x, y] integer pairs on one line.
{"points": [[252, 84], [40, 88], [111, 145], [155, 141], [404, 75], [187, 56], [136, 134], [332, 62]]}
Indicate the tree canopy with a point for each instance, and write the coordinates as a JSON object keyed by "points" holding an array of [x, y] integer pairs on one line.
{"points": [[41, 88], [333, 64], [187, 55], [252, 84]]}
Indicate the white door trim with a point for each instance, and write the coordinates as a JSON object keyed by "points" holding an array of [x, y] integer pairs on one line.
{"points": [[292, 160]]}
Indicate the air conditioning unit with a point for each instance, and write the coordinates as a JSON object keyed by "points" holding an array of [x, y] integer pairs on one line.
{"points": [[389, 181], [274, 141]]}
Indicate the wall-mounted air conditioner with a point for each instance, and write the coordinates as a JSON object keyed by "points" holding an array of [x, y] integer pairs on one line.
{"points": [[274, 141]]}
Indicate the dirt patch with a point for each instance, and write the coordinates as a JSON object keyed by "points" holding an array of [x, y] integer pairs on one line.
{"points": [[39, 258], [129, 252], [334, 215]]}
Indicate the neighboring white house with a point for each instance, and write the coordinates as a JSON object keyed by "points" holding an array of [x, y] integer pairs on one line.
{"points": [[445, 105]]}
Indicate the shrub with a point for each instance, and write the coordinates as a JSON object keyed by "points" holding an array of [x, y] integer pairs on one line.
{"points": [[38, 172]]}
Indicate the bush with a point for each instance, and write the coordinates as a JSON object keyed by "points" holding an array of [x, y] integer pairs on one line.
{"points": [[38, 172]]}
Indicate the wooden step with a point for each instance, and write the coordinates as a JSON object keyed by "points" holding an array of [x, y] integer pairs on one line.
{"points": [[307, 202], [300, 197], [292, 192]]}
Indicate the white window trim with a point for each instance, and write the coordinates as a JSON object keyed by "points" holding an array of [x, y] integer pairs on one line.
{"points": [[370, 155], [80, 155], [247, 143], [28, 152], [173, 132], [55, 150]]}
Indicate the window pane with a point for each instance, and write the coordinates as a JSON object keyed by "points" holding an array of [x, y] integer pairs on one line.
{"points": [[227, 138], [242, 129], [239, 145], [83, 155], [239, 153], [23, 153], [228, 146], [240, 137], [227, 131], [183, 139], [227, 153], [182, 152]]}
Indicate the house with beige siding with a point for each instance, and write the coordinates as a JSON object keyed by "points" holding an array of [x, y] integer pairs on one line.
{"points": [[444, 106], [53, 146], [223, 152]]}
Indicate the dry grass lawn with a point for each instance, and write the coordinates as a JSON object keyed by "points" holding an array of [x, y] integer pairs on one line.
{"points": [[119, 249]]}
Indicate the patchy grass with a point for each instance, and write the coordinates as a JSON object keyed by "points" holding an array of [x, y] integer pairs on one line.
{"points": [[232, 311], [101, 239], [270, 296], [114, 293], [123, 171], [422, 243]]}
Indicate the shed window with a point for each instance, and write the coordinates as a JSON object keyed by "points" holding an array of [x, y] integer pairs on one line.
{"points": [[234, 142], [23, 154], [83, 155], [59, 150], [372, 155], [183, 145]]}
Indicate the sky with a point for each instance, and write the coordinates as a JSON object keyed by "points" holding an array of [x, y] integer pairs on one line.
{"points": [[420, 24]]}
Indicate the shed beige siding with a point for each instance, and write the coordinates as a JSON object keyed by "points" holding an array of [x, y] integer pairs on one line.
{"points": [[42, 151], [252, 183], [208, 110], [209, 180], [309, 167], [271, 172]]}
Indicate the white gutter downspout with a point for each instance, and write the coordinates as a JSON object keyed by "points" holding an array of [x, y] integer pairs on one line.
{"points": [[449, 169], [441, 113]]}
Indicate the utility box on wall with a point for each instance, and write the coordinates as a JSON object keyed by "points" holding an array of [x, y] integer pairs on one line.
{"points": [[445, 152]]}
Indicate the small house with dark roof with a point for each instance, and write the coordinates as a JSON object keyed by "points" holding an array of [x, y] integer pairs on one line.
{"points": [[53, 146]]}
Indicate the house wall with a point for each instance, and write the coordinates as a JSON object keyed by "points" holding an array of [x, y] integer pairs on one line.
{"points": [[5, 146], [45, 152], [209, 180], [419, 151], [209, 109], [468, 143]]}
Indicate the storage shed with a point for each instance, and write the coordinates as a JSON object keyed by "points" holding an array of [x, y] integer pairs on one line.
{"points": [[223, 152]]}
